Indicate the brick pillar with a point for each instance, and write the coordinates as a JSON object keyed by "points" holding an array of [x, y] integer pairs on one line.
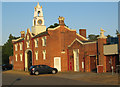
{"points": [[22, 34], [101, 57]]}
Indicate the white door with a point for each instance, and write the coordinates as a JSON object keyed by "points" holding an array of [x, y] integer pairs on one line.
{"points": [[76, 59], [57, 63]]}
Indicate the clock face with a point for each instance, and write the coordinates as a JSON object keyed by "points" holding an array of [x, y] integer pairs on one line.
{"points": [[39, 21]]}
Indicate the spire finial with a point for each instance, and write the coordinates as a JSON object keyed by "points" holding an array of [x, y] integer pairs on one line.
{"points": [[38, 6]]}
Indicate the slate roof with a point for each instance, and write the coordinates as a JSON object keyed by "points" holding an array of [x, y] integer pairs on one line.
{"points": [[41, 34]]}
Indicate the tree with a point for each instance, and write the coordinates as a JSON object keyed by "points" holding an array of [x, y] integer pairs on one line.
{"points": [[92, 37], [55, 25], [7, 49]]}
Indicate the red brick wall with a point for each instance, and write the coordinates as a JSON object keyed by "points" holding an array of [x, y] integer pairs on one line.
{"points": [[102, 58], [10, 59], [82, 32]]}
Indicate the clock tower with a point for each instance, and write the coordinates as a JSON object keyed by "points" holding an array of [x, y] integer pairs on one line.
{"points": [[38, 20]]}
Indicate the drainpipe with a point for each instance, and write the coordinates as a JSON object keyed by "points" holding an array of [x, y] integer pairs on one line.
{"points": [[24, 55], [68, 58], [32, 53]]}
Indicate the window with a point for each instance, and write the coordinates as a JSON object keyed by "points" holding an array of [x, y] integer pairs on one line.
{"points": [[16, 57], [44, 41], [21, 46], [36, 54], [20, 57], [36, 42], [15, 47], [28, 44], [44, 54], [27, 37]]}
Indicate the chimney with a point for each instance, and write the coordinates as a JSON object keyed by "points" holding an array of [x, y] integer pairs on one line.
{"points": [[22, 34], [82, 32], [61, 20]]}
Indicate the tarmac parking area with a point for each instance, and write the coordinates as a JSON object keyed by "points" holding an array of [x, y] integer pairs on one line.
{"points": [[61, 78]]}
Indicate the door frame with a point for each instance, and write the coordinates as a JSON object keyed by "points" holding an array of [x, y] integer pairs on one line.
{"points": [[76, 67], [59, 62]]}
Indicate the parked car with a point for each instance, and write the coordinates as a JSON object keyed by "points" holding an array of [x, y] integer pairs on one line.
{"points": [[7, 66], [42, 69]]}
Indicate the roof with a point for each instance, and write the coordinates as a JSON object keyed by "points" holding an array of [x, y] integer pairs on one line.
{"points": [[41, 34], [81, 42], [18, 40]]}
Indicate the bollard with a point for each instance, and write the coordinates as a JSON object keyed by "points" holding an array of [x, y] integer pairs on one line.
{"points": [[112, 70]]}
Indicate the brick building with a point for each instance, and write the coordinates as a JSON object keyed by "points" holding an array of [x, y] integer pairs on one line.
{"points": [[61, 47]]}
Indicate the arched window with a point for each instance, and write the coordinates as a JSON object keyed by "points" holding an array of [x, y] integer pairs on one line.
{"points": [[38, 13]]}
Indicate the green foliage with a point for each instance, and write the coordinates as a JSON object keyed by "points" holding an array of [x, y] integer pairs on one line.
{"points": [[108, 36], [55, 25], [92, 37], [7, 49], [117, 32]]}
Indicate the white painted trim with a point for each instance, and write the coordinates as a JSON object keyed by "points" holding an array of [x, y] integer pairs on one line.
{"points": [[26, 59], [53, 28], [90, 42], [70, 29], [81, 36], [59, 26], [59, 62], [75, 61], [63, 52], [74, 41], [80, 42], [16, 39], [91, 55]]}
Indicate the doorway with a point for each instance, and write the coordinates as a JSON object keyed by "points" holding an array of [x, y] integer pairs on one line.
{"points": [[28, 59], [76, 59]]}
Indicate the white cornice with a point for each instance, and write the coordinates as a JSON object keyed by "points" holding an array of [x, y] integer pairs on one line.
{"points": [[81, 36], [14, 40], [80, 42]]}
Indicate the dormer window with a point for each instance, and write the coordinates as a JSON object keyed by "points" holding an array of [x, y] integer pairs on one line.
{"points": [[44, 41], [36, 42]]}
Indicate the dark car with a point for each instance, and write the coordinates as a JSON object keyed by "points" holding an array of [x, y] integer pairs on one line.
{"points": [[7, 66], [42, 69]]}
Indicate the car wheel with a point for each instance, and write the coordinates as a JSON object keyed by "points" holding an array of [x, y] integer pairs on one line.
{"points": [[53, 71], [36, 73]]}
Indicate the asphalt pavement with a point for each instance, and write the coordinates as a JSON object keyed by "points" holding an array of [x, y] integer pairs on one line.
{"points": [[23, 78]]}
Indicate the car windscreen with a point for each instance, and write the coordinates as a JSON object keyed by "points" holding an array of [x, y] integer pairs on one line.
{"points": [[32, 67]]}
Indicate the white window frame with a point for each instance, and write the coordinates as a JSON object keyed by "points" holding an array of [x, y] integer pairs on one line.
{"points": [[36, 55], [16, 47], [16, 57], [44, 41], [36, 42], [21, 57], [44, 54], [21, 45], [28, 44], [28, 37]]}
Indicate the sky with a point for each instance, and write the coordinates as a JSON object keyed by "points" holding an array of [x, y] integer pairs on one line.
{"points": [[18, 16]]}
